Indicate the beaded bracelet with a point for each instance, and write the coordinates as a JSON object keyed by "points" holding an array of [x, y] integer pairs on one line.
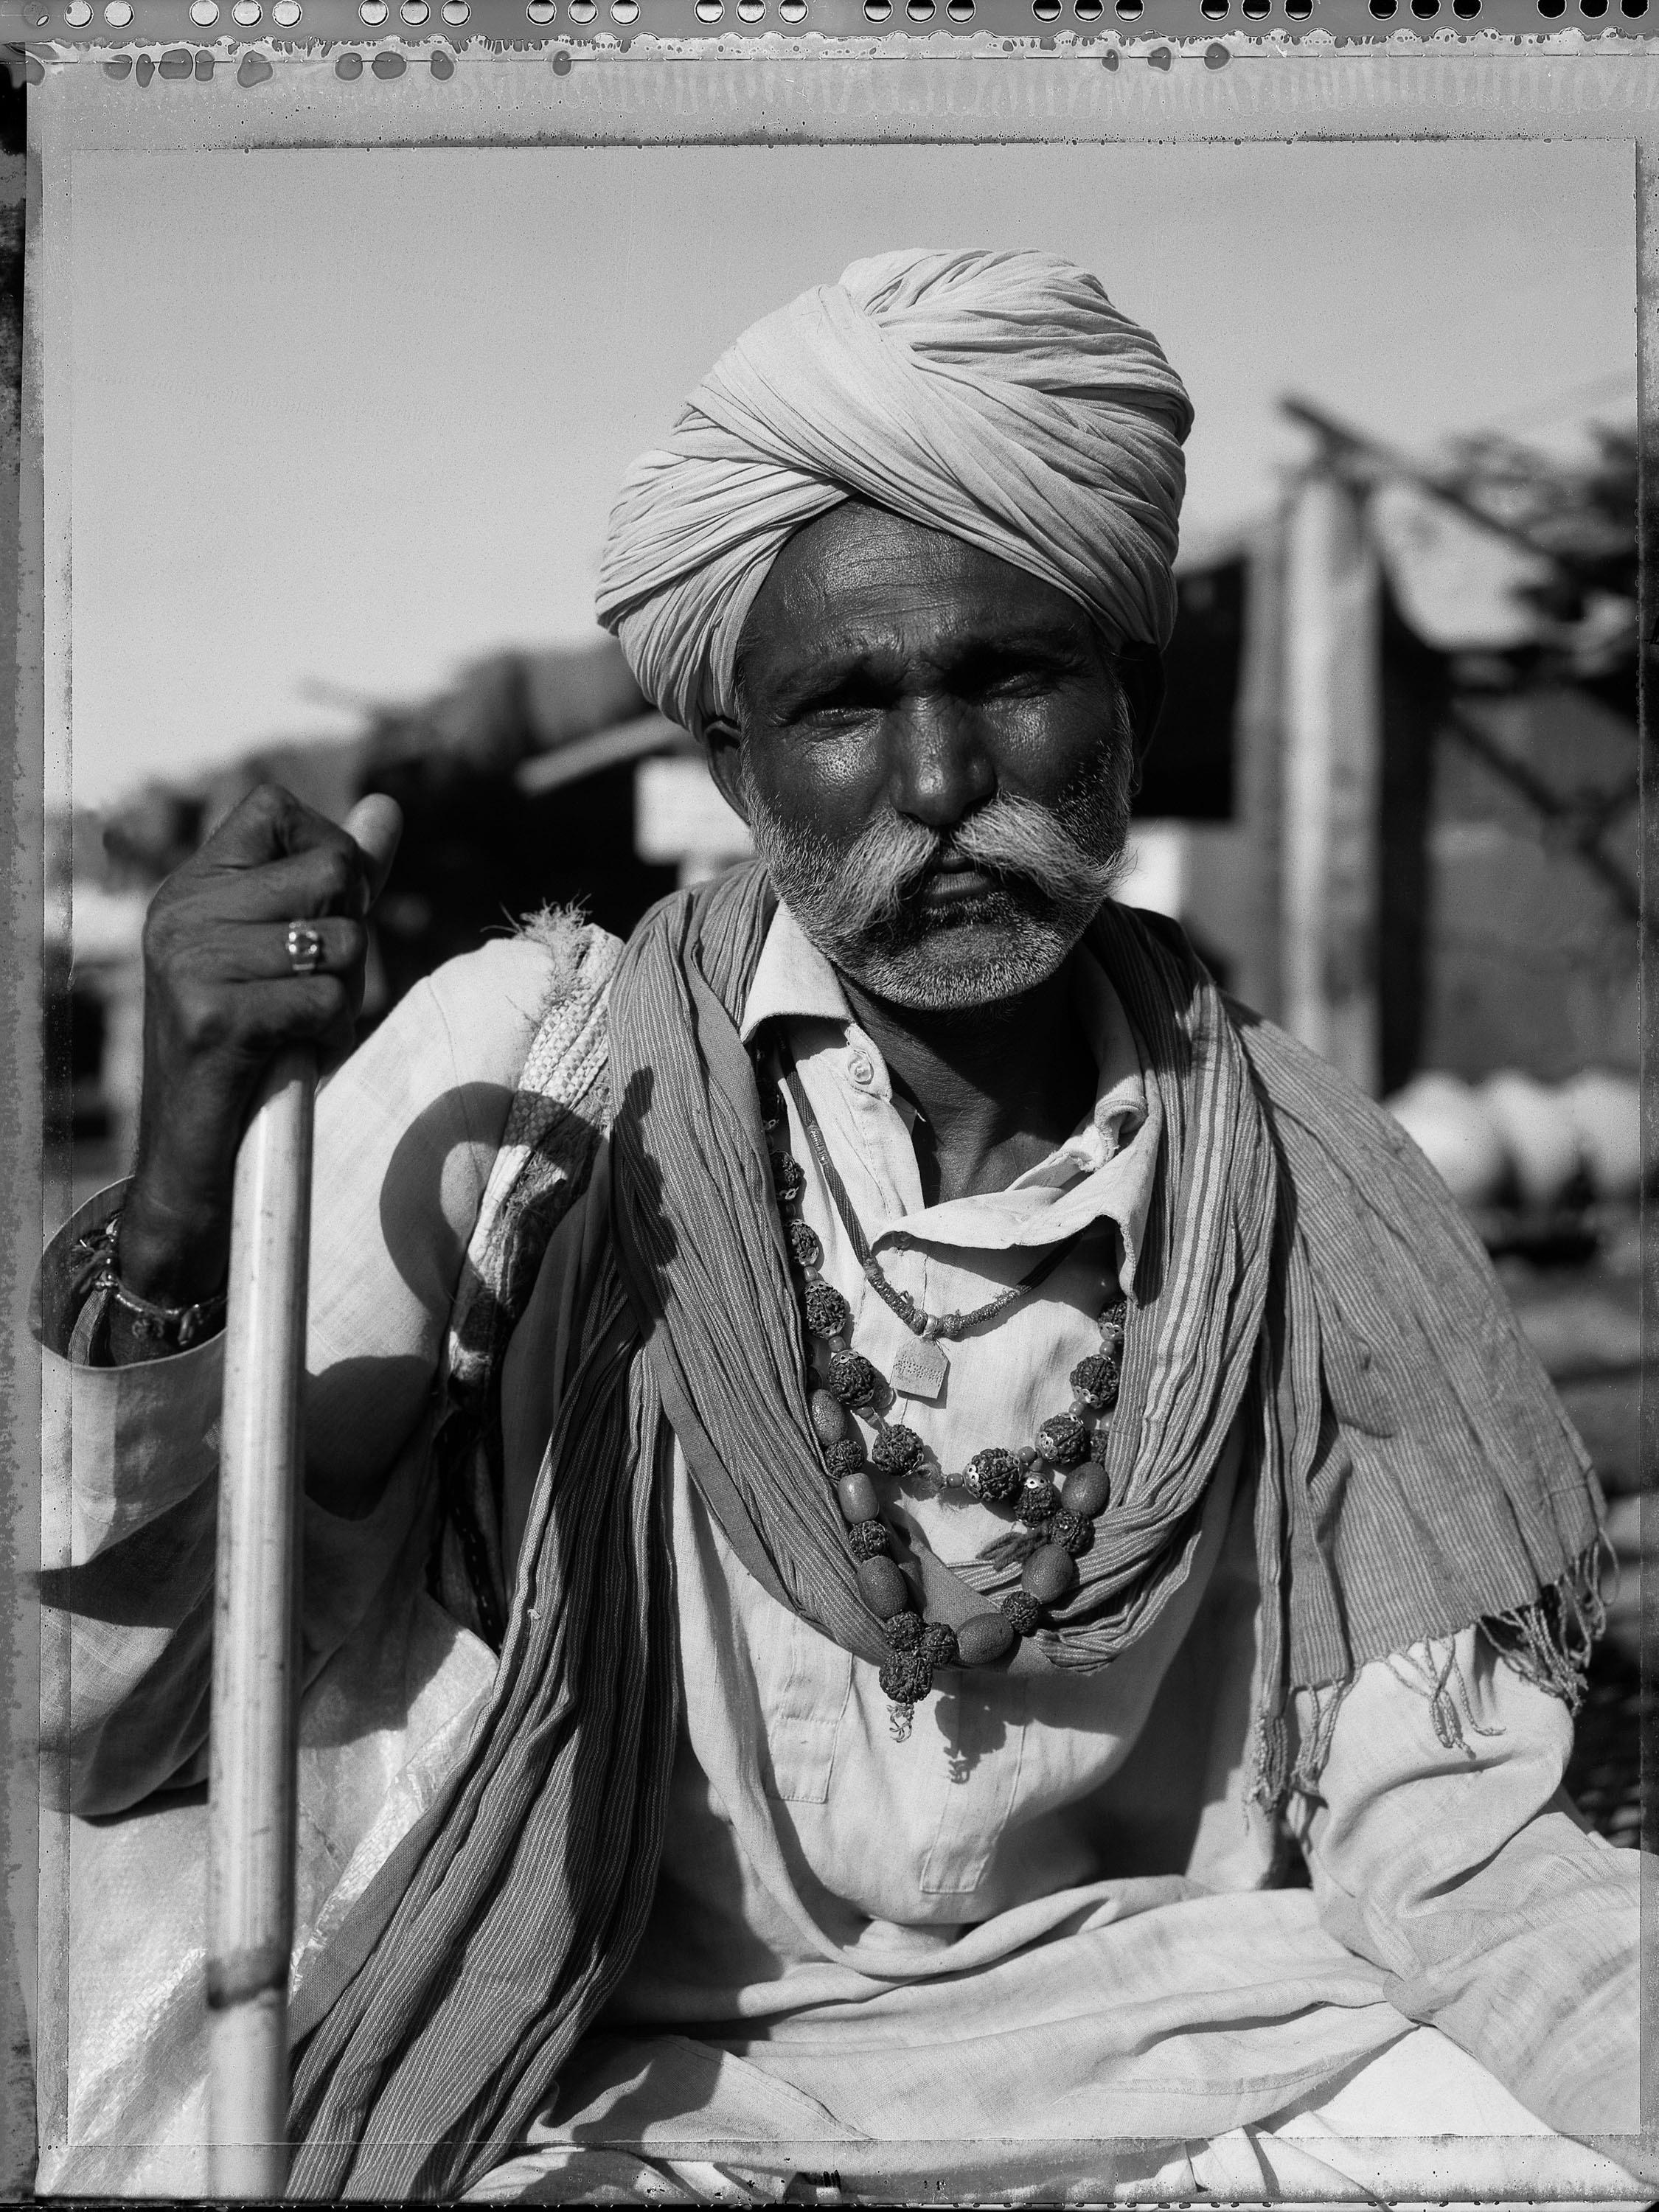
{"points": [[178, 1327]]}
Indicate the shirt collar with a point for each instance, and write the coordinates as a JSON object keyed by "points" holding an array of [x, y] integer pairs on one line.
{"points": [[1104, 1168], [792, 980]]}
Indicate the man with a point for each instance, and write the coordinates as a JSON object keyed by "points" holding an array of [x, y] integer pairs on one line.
{"points": [[965, 1441]]}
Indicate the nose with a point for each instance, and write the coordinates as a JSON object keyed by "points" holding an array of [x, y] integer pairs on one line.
{"points": [[939, 770]]}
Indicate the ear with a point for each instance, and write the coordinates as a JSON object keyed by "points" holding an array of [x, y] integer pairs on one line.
{"points": [[724, 747], [1140, 674]]}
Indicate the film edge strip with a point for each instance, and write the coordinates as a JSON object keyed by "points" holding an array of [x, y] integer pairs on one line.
{"points": [[199, 34]]}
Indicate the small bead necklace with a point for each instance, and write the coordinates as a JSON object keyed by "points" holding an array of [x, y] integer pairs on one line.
{"points": [[1058, 1515], [921, 1368]]}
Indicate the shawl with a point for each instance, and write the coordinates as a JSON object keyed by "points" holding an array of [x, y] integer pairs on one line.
{"points": [[1414, 1475]]}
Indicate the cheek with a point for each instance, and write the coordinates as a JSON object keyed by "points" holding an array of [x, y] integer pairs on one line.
{"points": [[830, 788], [1042, 747]]}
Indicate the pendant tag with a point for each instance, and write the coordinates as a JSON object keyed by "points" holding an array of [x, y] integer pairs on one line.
{"points": [[919, 1368]]}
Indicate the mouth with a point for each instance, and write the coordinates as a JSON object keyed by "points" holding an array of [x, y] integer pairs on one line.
{"points": [[953, 883]]}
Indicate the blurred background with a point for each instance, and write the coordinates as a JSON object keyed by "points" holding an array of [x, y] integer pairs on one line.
{"points": [[344, 436]]}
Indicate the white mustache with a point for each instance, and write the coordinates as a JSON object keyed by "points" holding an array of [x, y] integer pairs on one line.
{"points": [[865, 888]]}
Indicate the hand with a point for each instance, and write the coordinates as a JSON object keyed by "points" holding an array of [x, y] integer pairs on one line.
{"points": [[221, 1001]]}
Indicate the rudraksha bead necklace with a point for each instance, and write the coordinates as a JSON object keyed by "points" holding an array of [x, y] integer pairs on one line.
{"points": [[1056, 1486]]}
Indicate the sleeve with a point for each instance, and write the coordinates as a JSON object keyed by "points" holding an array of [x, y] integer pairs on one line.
{"points": [[1444, 1849], [406, 1131]]}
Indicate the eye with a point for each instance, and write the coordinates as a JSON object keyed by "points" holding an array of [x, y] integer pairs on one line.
{"points": [[1006, 675], [854, 700]]}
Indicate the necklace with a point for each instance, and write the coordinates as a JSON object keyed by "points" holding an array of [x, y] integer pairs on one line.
{"points": [[921, 1368], [1056, 1486]]}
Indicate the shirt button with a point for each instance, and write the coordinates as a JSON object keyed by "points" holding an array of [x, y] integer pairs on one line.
{"points": [[861, 1071]]}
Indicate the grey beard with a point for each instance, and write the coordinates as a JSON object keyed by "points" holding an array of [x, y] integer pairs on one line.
{"points": [[1054, 869]]}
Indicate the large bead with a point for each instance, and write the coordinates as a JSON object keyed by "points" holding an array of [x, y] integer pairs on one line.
{"points": [[1086, 1491], [993, 1475], [853, 1379], [939, 1644], [1072, 1531], [846, 1457], [885, 1590], [868, 1540], [829, 1418], [805, 1244], [905, 1677], [827, 1312], [1095, 1380], [1021, 1611], [905, 1631], [857, 1495], [1063, 1440], [1037, 1499], [1048, 1574], [896, 1450], [788, 1176], [984, 1638]]}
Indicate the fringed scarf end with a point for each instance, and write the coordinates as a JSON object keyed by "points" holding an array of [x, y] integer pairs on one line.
{"points": [[1549, 1642], [1270, 1762], [1312, 1754]]}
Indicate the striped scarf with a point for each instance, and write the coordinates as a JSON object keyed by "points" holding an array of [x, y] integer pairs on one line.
{"points": [[1302, 1264]]}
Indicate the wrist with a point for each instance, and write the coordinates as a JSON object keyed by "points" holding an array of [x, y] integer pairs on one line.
{"points": [[168, 1251]]}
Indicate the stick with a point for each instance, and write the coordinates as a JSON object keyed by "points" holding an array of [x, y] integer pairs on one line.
{"points": [[253, 1789], [256, 1642]]}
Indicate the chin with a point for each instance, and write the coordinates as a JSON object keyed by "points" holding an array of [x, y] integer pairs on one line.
{"points": [[951, 969]]}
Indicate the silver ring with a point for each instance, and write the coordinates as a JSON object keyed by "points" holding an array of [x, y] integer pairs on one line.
{"points": [[305, 948]]}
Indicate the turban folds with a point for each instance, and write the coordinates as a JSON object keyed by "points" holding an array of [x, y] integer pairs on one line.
{"points": [[1000, 398]]}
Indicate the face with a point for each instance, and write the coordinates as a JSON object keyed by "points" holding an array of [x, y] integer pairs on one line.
{"points": [[934, 754]]}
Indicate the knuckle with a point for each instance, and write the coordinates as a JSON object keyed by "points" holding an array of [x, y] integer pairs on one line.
{"points": [[333, 874], [329, 1000], [202, 1020], [269, 799]]}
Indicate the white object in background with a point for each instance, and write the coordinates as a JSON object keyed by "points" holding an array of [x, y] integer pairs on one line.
{"points": [[601, 749], [1538, 1134], [680, 816], [1333, 743], [104, 925], [1606, 1110], [1159, 855], [1455, 1127]]}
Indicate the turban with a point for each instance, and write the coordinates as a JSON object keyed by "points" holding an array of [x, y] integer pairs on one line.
{"points": [[1000, 398]]}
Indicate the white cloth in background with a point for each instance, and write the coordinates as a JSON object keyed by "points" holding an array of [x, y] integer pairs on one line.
{"points": [[1061, 1877]]}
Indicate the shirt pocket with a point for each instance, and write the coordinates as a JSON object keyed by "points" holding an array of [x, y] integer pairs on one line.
{"points": [[805, 1686]]}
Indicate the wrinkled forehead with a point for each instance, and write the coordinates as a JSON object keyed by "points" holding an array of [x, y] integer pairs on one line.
{"points": [[859, 580]]}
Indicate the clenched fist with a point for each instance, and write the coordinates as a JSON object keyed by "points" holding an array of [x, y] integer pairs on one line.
{"points": [[222, 998]]}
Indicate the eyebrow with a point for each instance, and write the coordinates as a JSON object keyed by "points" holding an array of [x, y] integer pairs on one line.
{"points": [[836, 664]]}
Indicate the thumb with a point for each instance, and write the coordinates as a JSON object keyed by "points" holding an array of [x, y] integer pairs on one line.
{"points": [[376, 823]]}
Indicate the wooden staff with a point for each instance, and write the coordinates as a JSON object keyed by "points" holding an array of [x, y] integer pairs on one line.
{"points": [[250, 1794], [256, 1642]]}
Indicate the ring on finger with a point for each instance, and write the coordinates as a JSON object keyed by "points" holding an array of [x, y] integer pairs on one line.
{"points": [[305, 948]]}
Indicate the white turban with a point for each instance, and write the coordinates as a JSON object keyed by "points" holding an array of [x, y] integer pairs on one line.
{"points": [[998, 397]]}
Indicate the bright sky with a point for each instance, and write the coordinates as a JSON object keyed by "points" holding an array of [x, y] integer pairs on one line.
{"points": [[345, 419]]}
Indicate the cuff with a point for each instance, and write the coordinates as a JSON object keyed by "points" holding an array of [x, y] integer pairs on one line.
{"points": [[141, 1437]]}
